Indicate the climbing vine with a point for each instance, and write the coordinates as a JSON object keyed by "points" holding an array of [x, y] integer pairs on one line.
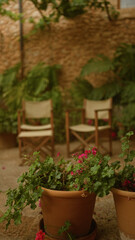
{"points": [[5, 12], [69, 9]]}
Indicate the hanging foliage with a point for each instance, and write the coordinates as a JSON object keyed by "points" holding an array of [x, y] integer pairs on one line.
{"points": [[68, 9], [5, 12]]}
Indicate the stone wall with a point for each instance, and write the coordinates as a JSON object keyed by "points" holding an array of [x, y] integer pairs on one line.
{"points": [[69, 43]]}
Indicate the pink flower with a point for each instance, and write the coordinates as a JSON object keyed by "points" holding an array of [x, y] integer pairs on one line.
{"points": [[40, 235], [90, 122], [83, 155], [58, 154], [126, 183], [75, 154], [72, 173], [87, 151], [105, 120], [80, 161], [79, 171], [94, 151]]}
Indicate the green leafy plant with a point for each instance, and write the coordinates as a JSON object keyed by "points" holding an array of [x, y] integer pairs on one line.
{"points": [[65, 229], [89, 171], [120, 84], [125, 173], [40, 83]]}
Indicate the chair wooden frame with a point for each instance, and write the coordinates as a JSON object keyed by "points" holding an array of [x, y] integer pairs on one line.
{"points": [[37, 137], [93, 131]]}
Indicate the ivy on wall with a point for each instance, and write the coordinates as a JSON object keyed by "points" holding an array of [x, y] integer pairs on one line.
{"points": [[5, 12], [68, 9]]}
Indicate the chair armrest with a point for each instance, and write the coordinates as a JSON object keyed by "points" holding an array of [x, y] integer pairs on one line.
{"points": [[102, 110]]}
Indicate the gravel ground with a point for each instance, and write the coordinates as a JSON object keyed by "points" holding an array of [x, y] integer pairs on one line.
{"points": [[10, 170]]}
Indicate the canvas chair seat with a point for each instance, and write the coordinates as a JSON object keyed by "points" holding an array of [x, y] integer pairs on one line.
{"points": [[37, 137], [87, 128], [97, 111], [31, 134], [31, 127]]}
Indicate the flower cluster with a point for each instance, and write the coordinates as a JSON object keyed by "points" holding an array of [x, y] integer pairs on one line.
{"points": [[91, 172], [40, 235], [127, 184], [125, 174]]}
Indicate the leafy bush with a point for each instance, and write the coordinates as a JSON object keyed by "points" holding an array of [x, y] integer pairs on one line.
{"points": [[125, 171], [40, 83], [120, 86]]}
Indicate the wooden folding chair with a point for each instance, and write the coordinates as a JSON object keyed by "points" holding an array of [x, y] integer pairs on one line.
{"points": [[100, 112], [31, 133]]}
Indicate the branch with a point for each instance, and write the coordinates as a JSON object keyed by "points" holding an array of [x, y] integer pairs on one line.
{"points": [[107, 10]]}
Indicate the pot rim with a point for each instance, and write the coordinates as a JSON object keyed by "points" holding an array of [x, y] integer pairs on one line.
{"points": [[61, 193], [123, 193]]}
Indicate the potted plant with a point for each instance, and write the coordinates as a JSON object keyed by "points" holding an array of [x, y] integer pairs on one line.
{"points": [[67, 189], [124, 190]]}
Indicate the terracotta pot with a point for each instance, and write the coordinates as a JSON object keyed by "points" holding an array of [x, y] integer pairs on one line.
{"points": [[74, 206], [125, 210]]}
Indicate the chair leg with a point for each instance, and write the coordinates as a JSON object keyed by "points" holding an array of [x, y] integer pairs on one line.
{"points": [[52, 142], [96, 139], [110, 141], [67, 140]]}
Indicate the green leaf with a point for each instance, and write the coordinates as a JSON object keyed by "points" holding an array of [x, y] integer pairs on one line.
{"points": [[98, 65]]}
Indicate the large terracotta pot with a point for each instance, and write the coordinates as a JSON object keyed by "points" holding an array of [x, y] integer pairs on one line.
{"points": [[125, 210], [74, 206]]}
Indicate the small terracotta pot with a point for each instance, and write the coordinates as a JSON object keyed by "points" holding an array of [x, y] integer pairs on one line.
{"points": [[125, 210], [74, 206]]}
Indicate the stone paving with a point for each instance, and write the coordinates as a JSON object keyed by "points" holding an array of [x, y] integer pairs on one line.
{"points": [[10, 170]]}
